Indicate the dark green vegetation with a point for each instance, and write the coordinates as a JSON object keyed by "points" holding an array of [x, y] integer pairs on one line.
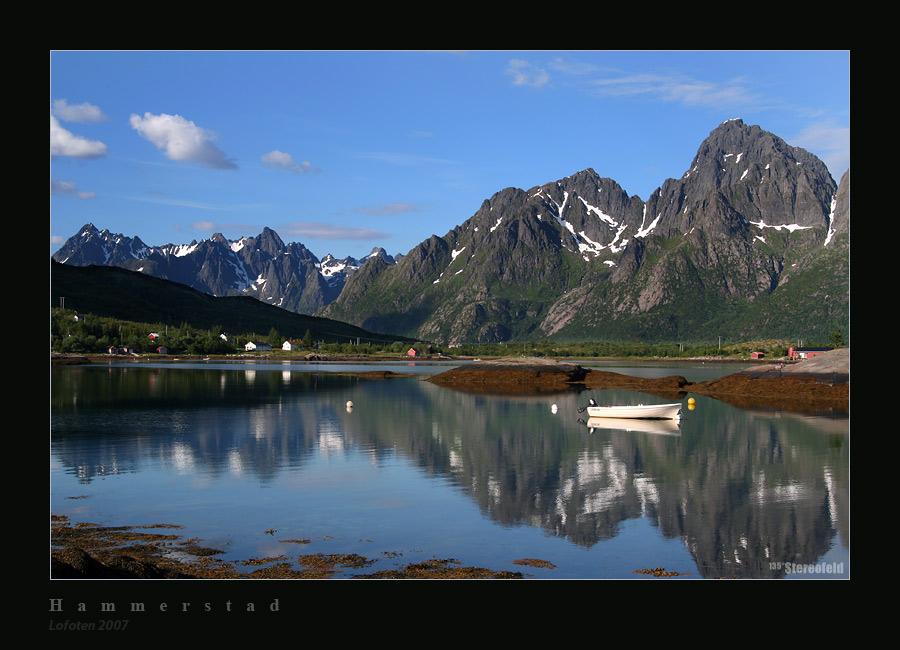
{"points": [[91, 334], [119, 307], [115, 307]]}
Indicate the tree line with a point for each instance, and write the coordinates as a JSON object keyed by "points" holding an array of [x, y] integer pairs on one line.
{"points": [[71, 332]]}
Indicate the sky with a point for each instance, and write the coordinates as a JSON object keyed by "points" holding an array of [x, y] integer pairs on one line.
{"points": [[344, 151]]}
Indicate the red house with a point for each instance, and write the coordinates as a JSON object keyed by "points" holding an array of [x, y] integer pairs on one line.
{"points": [[806, 353]]}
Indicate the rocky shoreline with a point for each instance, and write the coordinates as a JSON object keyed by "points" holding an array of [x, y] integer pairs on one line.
{"points": [[87, 551], [815, 385]]}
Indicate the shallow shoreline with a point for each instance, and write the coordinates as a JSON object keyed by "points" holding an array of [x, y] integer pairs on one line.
{"points": [[816, 385], [86, 551], [87, 359]]}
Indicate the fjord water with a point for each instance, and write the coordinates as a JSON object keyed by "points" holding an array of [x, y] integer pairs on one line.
{"points": [[414, 471]]}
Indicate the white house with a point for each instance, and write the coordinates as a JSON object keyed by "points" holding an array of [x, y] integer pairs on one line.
{"points": [[292, 345], [259, 347]]}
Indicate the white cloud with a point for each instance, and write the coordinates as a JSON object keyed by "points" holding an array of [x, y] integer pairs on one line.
{"points": [[690, 92], [65, 143], [181, 140], [606, 82], [84, 113], [214, 226], [162, 199], [527, 74], [830, 142], [299, 229], [68, 188], [280, 160], [320, 230], [395, 207]]}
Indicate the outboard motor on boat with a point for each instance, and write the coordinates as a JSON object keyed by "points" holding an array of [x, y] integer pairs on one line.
{"points": [[591, 402]]}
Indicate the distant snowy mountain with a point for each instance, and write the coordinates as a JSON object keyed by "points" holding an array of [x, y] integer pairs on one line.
{"points": [[337, 271], [264, 267]]}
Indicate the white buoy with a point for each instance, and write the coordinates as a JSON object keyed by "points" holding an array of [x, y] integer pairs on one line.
{"points": [[553, 408]]}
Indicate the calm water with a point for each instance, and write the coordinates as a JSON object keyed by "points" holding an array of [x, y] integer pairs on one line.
{"points": [[414, 471]]}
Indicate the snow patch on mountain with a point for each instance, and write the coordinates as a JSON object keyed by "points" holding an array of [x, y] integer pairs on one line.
{"points": [[762, 225], [586, 246], [453, 255], [831, 219], [184, 250]]}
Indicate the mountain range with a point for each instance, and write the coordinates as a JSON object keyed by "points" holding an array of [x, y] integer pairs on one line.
{"points": [[109, 292], [289, 276], [751, 242]]}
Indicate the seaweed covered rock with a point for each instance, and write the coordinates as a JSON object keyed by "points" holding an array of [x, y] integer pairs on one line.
{"points": [[512, 375]]}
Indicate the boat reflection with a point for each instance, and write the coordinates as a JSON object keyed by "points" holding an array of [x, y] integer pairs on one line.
{"points": [[659, 427]]}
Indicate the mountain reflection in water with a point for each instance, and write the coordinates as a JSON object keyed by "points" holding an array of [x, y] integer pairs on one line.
{"points": [[229, 452]]}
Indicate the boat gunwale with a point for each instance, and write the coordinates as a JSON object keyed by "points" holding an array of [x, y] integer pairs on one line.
{"points": [[668, 411]]}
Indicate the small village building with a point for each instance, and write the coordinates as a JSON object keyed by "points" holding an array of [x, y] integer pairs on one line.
{"points": [[412, 353], [805, 353], [757, 355], [292, 345], [259, 347], [162, 350], [121, 349]]}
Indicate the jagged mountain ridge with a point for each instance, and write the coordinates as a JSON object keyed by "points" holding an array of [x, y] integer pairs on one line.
{"points": [[263, 267], [752, 241]]}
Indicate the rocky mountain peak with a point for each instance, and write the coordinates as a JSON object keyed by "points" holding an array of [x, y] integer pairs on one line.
{"points": [[269, 242], [264, 267], [578, 257]]}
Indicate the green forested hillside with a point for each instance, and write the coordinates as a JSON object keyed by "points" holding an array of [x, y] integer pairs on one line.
{"points": [[116, 293]]}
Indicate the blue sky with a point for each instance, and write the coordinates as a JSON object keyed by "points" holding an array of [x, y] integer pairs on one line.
{"points": [[347, 150]]}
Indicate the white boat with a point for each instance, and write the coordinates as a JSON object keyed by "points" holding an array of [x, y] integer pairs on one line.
{"points": [[655, 411]]}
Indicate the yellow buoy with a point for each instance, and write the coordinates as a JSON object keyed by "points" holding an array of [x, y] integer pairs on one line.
{"points": [[690, 400]]}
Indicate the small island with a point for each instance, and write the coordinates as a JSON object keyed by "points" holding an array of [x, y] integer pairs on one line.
{"points": [[812, 385]]}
